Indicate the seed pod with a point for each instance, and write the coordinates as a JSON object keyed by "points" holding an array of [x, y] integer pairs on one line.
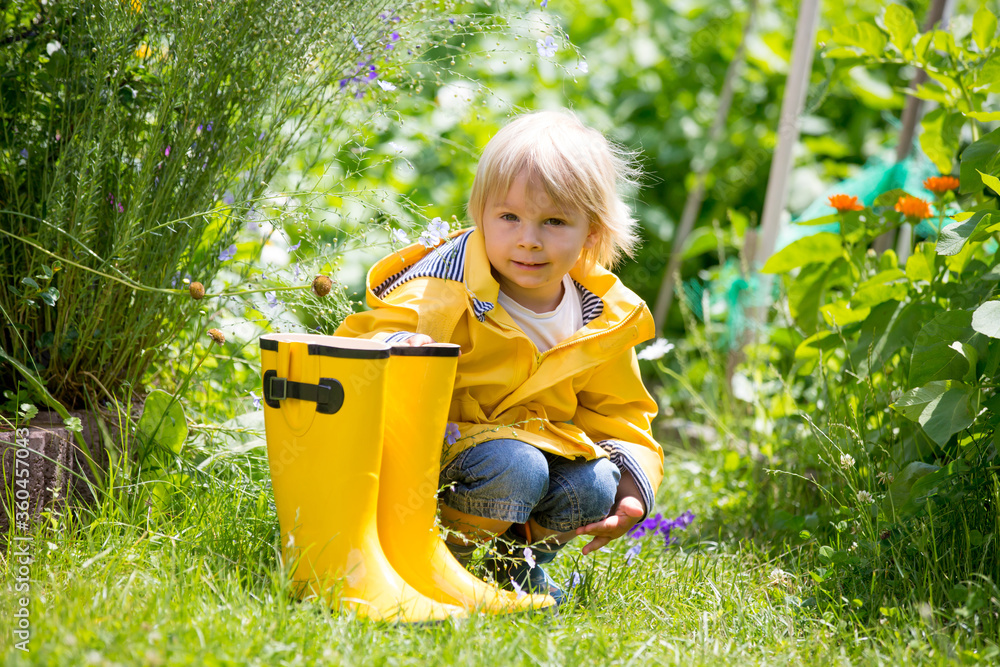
{"points": [[217, 336], [197, 290], [322, 285]]}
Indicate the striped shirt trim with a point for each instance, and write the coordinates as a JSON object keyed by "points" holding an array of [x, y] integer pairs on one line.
{"points": [[590, 304], [399, 337], [621, 457], [448, 262], [445, 261]]}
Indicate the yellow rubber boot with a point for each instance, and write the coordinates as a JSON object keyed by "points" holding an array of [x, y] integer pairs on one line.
{"points": [[324, 418], [420, 383]]}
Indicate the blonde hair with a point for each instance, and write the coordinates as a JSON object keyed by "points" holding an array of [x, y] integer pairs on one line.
{"points": [[579, 169]]}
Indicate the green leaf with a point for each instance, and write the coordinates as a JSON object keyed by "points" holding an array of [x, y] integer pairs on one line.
{"points": [[933, 357], [864, 35], [912, 403], [162, 422], [821, 341], [840, 314], [917, 267], [30, 282], [939, 139], [889, 198], [826, 553], [980, 156], [986, 319], [884, 286], [955, 234], [984, 27], [50, 296], [875, 344], [982, 116], [73, 424], [988, 74], [923, 46], [823, 247], [808, 289], [990, 181], [899, 489], [940, 407], [901, 25]]}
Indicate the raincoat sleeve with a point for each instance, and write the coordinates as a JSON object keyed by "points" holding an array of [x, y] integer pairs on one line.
{"points": [[421, 306], [615, 410]]}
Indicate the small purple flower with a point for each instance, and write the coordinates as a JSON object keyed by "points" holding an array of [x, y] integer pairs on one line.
{"points": [[545, 3], [296, 271], [295, 247], [256, 400], [632, 553], [166, 151], [517, 589], [394, 36], [529, 558], [209, 127], [24, 153], [228, 253], [228, 198], [451, 21], [662, 525], [452, 433], [357, 44], [272, 299], [547, 47], [260, 137], [372, 73], [252, 226], [121, 209], [199, 128]]}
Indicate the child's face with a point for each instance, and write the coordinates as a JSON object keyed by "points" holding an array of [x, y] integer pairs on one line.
{"points": [[532, 243]]}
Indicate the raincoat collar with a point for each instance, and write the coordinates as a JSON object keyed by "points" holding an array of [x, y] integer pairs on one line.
{"points": [[462, 257]]}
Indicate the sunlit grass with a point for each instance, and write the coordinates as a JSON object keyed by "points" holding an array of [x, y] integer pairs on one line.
{"points": [[200, 583]]}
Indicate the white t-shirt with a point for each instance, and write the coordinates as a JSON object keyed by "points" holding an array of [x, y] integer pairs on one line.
{"points": [[546, 330]]}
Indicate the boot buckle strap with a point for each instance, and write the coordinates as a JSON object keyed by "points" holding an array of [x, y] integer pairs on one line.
{"points": [[328, 395]]}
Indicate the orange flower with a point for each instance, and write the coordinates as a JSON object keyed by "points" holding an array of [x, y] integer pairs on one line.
{"points": [[845, 203], [913, 207], [941, 184]]}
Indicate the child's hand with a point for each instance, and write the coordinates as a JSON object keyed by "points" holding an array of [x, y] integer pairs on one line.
{"points": [[627, 513]]}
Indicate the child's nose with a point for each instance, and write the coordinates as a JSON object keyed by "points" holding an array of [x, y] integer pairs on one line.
{"points": [[529, 237]]}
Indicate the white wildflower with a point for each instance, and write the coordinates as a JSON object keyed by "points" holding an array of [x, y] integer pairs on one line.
{"points": [[547, 47], [846, 461], [656, 349], [865, 498]]}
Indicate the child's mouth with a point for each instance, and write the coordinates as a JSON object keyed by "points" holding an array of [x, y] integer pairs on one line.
{"points": [[527, 265]]}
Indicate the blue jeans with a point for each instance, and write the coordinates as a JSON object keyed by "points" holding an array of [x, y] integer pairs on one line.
{"points": [[509, 480]]}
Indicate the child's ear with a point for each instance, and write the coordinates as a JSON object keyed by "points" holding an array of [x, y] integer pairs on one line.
{"points": [[592, 237]]}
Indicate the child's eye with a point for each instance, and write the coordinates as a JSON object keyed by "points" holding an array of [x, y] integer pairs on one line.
{"points": [[509, 216], [556, 221]]}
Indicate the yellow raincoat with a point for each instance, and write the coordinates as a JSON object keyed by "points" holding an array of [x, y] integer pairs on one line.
{"points": [[582, 398]]}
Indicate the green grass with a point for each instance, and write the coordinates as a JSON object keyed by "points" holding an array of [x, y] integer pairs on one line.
{"points": [[199, 583]]}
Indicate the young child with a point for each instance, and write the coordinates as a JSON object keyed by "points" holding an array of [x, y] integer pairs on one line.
{"points": [[553, 422]]}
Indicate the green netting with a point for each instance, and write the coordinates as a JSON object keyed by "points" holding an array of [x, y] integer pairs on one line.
{"points": [[880, 174]]}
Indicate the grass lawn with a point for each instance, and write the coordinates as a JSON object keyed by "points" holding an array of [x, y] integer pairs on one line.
{"points": [[199, 584]]}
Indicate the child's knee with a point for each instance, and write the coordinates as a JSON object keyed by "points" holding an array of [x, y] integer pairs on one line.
{"points": [[500, 479]]}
